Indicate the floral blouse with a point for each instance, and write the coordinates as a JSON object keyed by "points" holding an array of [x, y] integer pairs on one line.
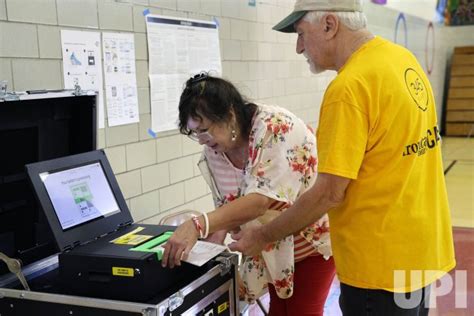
{"points": [[282, 165]]}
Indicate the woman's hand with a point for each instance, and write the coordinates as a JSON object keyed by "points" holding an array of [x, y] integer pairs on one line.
{"points": [[217, 237], [180, 244]]}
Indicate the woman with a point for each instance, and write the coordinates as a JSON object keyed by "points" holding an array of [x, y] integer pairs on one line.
{"points": [[257, 160]]}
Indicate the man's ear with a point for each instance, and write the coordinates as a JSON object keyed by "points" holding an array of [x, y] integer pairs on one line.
{"points": [[331, 25]]}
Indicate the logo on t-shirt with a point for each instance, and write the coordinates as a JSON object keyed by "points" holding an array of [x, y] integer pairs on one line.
{"points": [[417, 88], [425, 143]]}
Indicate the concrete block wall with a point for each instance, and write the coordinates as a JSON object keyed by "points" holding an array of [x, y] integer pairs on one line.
{"points": [[159, 176]]}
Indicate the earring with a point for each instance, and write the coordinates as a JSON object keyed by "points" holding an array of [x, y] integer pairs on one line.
{"points": [[234, 135]]}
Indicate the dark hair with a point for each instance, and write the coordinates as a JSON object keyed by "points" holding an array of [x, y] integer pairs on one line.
{"points": [[213, 98]]}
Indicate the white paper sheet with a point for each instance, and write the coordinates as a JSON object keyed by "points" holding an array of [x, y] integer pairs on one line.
{"points": [[120, 78], [82, 64], [204, 251], [177, 49]]}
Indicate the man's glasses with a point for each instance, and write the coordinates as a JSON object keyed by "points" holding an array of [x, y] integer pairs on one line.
{"points": [[203, 136]]}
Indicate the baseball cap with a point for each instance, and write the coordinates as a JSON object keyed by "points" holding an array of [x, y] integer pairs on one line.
{"points": [[303, 6]]}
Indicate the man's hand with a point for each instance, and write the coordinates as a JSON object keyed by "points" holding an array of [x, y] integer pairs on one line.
{"points": [[180, 244], [249, 241]]}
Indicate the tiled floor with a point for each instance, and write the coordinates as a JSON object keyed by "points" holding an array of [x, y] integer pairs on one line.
{"points": [[458, 154]]}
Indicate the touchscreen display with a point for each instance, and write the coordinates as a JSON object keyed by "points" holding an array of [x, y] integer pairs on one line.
{"points": [[80, 194]]}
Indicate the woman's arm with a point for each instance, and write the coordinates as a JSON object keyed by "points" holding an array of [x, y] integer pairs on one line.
{"points": [[238, 212], [226, 217]]}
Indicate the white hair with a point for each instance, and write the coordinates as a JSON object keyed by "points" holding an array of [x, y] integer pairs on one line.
{"points": [[352, 20]]}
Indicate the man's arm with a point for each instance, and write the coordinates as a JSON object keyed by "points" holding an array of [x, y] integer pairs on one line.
{"points": [[328, 192]]}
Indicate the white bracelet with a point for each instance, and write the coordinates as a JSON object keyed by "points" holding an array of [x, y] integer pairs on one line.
{"points": [[206, 229]]}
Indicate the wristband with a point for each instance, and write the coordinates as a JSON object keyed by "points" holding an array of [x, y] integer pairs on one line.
{"points": [[198, 226]]}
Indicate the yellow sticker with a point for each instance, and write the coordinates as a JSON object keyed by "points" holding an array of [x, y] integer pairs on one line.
{"points": [[129, 238], [132, 239], [222, 307], [121, 271]]}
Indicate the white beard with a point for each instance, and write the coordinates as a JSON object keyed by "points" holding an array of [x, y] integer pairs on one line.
{"points": [[315, 69]]}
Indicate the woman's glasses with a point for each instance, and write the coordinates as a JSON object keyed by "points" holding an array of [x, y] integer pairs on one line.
{"points": [[200, 136]]}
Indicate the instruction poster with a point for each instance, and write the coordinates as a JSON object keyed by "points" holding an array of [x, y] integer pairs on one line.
{"points": [[120, 78], [177, 49], [82, 64]]}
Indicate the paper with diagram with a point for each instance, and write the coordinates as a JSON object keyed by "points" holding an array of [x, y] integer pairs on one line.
{"points": [[82, 64]]}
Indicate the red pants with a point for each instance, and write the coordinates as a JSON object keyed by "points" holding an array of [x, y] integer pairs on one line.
{"points": [[312, 281]]}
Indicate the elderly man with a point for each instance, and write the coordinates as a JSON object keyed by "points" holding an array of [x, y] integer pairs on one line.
{"points": [[380, 169]]}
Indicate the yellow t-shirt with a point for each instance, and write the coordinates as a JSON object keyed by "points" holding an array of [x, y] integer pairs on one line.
{"points": [[378, 127]]}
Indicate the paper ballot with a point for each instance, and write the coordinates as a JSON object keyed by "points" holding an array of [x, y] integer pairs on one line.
{"points": [[204, 251]]}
